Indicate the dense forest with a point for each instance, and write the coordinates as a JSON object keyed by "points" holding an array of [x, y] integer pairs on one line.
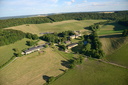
{"points": [[121, 15], [21, 21], [9, 36]]}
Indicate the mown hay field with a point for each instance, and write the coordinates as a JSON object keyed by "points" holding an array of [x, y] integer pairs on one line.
{"points": [[55, 26], [30, 69], [6, 52]]}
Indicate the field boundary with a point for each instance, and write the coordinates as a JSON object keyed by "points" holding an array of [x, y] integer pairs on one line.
{"points": [[114, 64], [8, 63]]}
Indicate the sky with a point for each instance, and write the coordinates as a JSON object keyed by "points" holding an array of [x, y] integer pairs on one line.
{"points": [[30, 7]]}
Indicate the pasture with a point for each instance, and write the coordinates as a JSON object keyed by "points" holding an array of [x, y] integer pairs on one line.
{"points": [[93, 72], [56, 26], [119, 56], [116, 49], [31, 69], [111, 28], [6, 52]]}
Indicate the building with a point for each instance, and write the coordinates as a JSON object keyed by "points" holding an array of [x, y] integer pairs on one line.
{"points": [[78, 35], [72, 36], [33, 49], [75, 36], [77, 32], [72, 45], [67, 42]]}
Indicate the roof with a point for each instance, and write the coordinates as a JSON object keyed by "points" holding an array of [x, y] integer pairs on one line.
{"points": [[72, 44], [67, 41], [72, 36], [35, 48]]}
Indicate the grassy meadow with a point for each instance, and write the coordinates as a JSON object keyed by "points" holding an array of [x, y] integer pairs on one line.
{"points": [[119, 56], [56, 26], [116, 49], [111, 28], [6, 52], [92, 72], [30, 69]]}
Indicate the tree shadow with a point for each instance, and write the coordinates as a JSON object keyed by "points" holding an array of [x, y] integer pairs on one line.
{"points": [[46, 78], [111, 36], [117, 26], [62, 70], [67, 63], [87, 28]]}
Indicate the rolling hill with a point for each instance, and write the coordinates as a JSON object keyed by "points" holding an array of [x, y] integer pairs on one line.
{"points": [[55, 26]]}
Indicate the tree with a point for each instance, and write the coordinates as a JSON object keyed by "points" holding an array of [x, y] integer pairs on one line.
{"points": [[125, 32], [51, 79], [86, 50], [62, 47], [30, 43], [35, 37]]}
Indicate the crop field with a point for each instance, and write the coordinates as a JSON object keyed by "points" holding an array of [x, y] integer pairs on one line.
{"points": [[92, 72], [31, 69], [6, 52], [55, 26], [111, 28]]}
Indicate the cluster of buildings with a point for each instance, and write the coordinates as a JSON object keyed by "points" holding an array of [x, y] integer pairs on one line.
{"points": [[71, 45]]}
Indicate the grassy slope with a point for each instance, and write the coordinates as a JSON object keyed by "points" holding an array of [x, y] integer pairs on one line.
{"points": [[29, 70], [55, 26], [116, 50], [94, 73], [120, 56], [6, 51], [111, 28]]}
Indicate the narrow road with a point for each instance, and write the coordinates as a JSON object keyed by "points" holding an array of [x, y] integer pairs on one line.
{"points": [[112, 63]]}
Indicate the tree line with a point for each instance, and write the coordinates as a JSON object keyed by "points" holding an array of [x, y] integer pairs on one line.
{"points": [[57, 37], [9, 36], [61, 17], [21, 21], [94, 47]]}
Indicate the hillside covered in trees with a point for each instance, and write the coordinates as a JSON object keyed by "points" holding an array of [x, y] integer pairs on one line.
{"points": [[10, 36], [121, 15]]}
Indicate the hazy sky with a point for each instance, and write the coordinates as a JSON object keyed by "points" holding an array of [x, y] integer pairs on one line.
{"points": [[28, 7]]}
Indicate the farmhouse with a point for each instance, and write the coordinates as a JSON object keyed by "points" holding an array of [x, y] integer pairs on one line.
{"points": [[72, 45], [67, 42], [78, 35], [75, 36], [72, 37], [77, 32], [33, 49]]}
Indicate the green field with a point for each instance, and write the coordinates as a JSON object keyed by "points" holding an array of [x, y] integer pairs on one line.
{"points": [[30, 69], [94, 73], [6, 51], [116, 49], [56, 26], [111, 28], [120, 56]]}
